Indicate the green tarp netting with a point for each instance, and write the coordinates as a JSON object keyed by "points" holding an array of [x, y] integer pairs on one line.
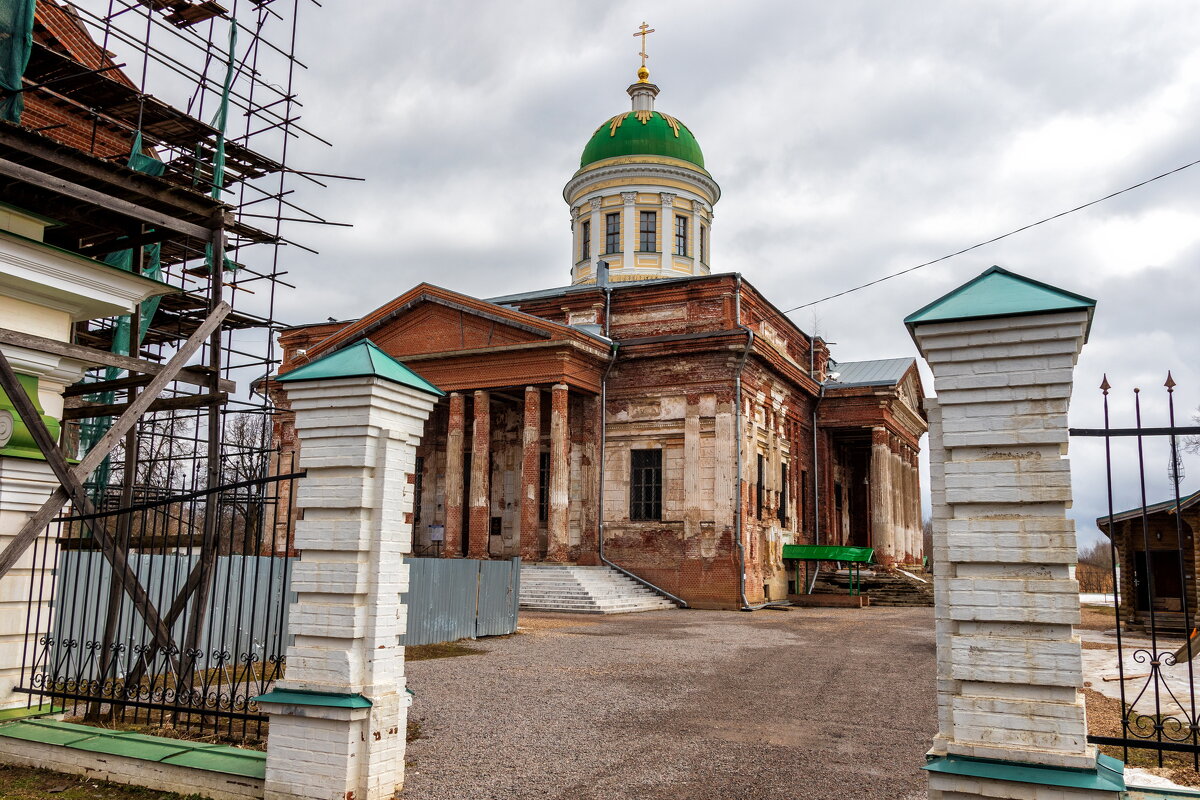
{"points": [[91, 430], [16, 40]]}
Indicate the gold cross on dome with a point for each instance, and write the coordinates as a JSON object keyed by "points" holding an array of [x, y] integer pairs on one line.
{"points": [[643, 31]]}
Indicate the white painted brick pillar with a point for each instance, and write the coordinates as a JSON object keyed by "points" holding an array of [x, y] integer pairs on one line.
{"points": [[1009, 664], [358, 443]]}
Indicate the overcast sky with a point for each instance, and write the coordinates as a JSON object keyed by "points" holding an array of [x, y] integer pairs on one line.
{"points": [[850, 139]]}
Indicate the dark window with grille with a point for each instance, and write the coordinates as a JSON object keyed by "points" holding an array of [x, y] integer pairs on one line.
{"points": [[704, 243], [543, 486], [648, 231], [681, 237], [645, 484], [783, 495], [803, 513], [758, 489], [418, 480], [612, 233], [585, 238]]}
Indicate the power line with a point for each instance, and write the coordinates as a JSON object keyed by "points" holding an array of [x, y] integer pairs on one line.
{"points": [[996, 238]]}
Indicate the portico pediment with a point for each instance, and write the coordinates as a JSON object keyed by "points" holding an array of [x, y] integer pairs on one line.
{"points": [[458, 342]]}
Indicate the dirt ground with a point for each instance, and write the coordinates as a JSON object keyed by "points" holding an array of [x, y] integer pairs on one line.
{"points": [[684, 705]]}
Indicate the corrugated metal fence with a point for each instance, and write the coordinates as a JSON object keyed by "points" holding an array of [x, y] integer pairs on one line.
{"points": [[459, 598]]}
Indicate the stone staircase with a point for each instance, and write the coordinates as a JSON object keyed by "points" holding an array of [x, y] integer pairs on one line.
{"points": [[585, 590], [884, 588]]}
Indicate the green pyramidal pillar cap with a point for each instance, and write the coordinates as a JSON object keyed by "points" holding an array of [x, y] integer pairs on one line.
{"points": [[360, 360], [995, 293]]}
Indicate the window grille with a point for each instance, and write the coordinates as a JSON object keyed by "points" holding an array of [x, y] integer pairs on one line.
{"points": [[783, 495], [681, 237], [645, 485]]}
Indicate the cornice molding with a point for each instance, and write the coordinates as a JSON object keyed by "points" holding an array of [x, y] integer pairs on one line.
{"points": [[637, 172]]}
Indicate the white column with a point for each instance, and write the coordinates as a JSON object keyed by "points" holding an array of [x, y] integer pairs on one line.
{"points": [[338, 720], [1009, 664], [597, 232], [630, 233], [25, 484], [666, 231], [695, 237]]}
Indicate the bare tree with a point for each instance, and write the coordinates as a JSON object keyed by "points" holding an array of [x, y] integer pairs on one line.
{"points": [[245, 457], [1094, 570]]}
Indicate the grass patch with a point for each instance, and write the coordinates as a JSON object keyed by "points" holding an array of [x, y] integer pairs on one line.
{"points": [[424, 652], [26, 783], [1104, 719]]}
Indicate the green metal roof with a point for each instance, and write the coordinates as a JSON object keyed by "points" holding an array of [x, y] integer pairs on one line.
{"points": [[828, 552], [626, 135], [1000, 293], [360, 360], [301, 697]]}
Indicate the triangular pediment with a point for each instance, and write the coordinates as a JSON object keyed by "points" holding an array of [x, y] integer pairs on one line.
{"points": [[434, 327], [429, 319]]}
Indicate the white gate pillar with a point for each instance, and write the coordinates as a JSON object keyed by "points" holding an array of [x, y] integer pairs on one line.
{"points": [[1011, 718], [339, 716]]}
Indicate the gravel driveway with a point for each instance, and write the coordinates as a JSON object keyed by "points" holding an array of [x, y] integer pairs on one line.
{"points": [[681, 704]]}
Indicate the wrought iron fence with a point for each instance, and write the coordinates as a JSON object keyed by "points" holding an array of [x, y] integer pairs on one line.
{"points": [[1153, 571], [202, 633]]}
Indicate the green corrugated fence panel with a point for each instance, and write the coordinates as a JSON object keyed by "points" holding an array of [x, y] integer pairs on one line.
{"points": [[828, 552]]}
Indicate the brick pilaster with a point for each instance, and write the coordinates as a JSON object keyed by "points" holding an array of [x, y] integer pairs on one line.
{"points": [[560, 466], [531, 448], [454, 476], [481, 510]]}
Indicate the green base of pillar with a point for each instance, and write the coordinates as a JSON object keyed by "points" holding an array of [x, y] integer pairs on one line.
{"points": [[1108, 776]]}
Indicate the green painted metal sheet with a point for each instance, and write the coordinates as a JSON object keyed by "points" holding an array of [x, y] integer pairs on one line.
{"points": [[46, 731], [196, 755], [360, 360], [296, 697], [229, 760], [24, 713], [131, 745], [1108, 776], [632, 137], [999, 293], [828, 552]]}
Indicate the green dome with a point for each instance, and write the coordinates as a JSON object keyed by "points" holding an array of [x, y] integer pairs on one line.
{"points": [[626, 135]]}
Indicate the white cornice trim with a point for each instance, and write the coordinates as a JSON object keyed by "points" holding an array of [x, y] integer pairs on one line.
{"points": [[83, 288], [635, 173]]}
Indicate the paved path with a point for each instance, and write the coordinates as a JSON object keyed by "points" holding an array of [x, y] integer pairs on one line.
{"points": [[680, 704]]}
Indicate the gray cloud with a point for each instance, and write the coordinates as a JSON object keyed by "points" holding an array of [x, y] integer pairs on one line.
{"points": [[850, 140]]}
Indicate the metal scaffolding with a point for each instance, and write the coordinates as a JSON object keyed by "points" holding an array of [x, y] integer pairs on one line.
{"points": [[155, 135]]}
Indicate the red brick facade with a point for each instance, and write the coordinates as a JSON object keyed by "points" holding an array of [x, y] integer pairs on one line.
{"points": [[705, 369]]}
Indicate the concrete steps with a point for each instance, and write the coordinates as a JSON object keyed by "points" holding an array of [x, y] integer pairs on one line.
{"points": [[884, 588], [585, 590]]}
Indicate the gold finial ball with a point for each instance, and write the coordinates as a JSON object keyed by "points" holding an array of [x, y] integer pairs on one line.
{"points": [[643, 74]]}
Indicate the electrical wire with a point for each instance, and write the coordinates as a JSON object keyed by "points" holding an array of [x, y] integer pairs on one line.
{"points": [[995, 239]]}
